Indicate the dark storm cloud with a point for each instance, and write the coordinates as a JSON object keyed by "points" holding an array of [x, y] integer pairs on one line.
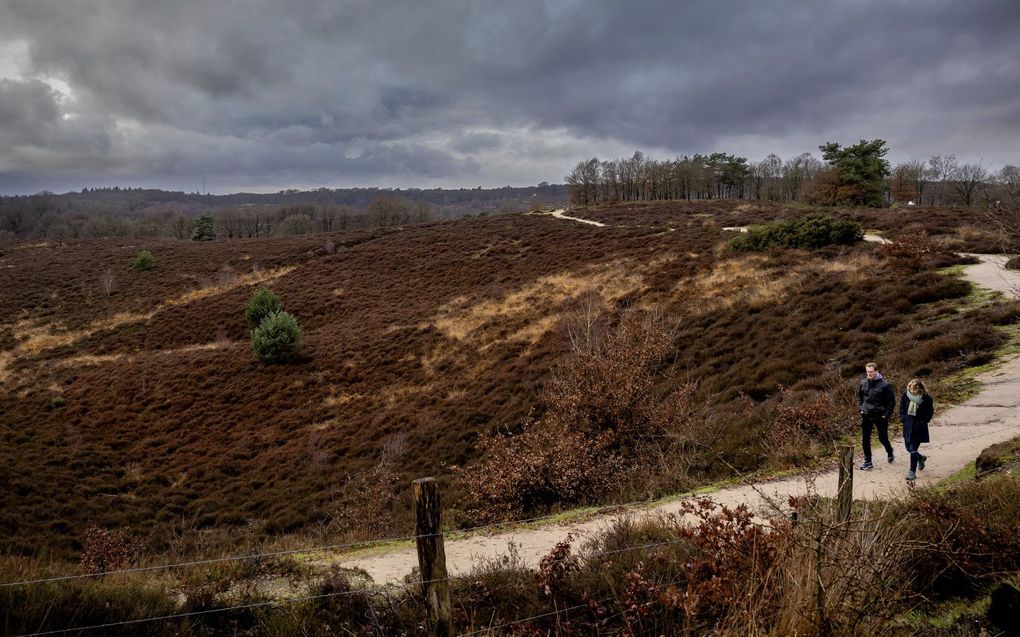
{"points": [[455, 92]]}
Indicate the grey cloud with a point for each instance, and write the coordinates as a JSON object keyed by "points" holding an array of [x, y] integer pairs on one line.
{"points": [[314, 79], [26, 109], [31, 121], [472, 143]]}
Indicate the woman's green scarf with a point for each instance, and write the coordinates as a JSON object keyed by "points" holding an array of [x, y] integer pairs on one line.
{"points": [[915, 402]]}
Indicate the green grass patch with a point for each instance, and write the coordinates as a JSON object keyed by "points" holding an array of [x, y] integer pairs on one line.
{"points": [[966, 474], [964, 384], [948, 614]]}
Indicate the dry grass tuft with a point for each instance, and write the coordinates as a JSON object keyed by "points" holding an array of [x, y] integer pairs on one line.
{"points": [[93, 360], [394, 395], [739, 280], [342, 398], [35, 338], [324, 424], [5, 361], [750, 280], [534, 309]]}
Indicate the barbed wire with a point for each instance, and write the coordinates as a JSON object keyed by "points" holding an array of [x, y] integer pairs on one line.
{"points": [[406, 587], [446, 534], [453, 534], [525, 619], [367, 590]]}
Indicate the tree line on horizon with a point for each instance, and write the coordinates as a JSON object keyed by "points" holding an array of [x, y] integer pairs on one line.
{"points": [[124, 212], [856, 175]]}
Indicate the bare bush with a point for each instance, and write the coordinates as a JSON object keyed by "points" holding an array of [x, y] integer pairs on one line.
{"points": [[104, 550], [607, 424], [107, 280], [586, 321], [805, 426], [846, 579], [361, 504]]}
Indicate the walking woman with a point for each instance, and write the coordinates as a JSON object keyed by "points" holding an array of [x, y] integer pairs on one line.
{"points": [[916, 411]]}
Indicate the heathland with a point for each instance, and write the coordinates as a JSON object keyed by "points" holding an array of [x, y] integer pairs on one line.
{"points": [[529, 363], [131, 398]]}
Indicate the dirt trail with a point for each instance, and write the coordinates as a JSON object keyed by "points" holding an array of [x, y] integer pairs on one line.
{"points": [[958, 436], [559, 214]]}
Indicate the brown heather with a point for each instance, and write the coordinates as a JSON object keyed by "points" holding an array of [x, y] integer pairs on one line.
{"points": [[632, 345]]}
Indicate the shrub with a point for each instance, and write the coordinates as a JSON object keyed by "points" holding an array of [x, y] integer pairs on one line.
{"points": [[145, 261], [1013, 263], [263, 303], [277, 338], [914, 252], [204, 229], [606, 425], [104, 550], [812, 231]]}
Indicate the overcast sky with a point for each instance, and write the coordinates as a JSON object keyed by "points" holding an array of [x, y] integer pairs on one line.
{"points": [[262, 95]]}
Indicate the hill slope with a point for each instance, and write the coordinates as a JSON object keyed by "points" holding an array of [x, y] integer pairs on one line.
{"points": [[131, 399]]}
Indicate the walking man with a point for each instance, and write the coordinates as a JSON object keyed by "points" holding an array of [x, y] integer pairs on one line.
{"points": [[876, 400]]}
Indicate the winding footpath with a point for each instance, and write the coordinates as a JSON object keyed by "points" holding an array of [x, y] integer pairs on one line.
{"points": [[958, 434]]}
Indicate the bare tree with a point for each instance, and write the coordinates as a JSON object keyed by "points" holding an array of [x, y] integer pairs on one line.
{"points": [[968, 178], [1009, 180], [422, 211], [909, 180], [942, 167], [107, 280], [771, 172], [180, 227]]}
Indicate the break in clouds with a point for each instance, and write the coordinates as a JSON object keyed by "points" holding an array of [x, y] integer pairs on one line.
{"points": [[257, 95]]}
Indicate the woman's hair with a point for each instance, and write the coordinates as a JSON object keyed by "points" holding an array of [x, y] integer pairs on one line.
{"points": [[916, 382]]}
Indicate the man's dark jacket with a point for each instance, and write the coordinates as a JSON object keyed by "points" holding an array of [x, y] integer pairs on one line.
{"points": [[876, 397]]}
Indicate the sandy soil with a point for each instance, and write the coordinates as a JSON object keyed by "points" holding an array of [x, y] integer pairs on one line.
{"points": [[559, 214], [958, 436]]}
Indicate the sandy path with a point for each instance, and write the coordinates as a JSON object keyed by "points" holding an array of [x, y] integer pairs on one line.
{"points": [[559, 214], [959, 435], [991, 274]]}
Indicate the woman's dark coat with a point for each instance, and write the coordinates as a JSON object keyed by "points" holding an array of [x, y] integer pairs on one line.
{"points": [[915, 428]]}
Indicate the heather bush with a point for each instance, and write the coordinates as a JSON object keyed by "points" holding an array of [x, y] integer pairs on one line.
{"points": [[973, 530], [914, 252], [803, 429], [277, 338], [261, 304], [104, 550], [606, 423], [144, 261], [810, 232]]}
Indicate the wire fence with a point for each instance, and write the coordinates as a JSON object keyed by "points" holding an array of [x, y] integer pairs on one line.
{"points": [[459, 533], [368, 590], [405, 588]]}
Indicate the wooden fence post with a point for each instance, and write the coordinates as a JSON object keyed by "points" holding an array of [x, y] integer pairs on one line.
{"points": [[432, 557], [846, 482]]}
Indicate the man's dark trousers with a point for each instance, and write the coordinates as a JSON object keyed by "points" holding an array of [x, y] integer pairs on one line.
{"points": [[880, 423]]}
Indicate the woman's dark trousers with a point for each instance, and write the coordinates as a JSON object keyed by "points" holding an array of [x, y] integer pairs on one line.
{"points": [[915, 455], [882, 425]]}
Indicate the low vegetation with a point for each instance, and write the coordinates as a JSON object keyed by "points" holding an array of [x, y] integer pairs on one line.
{"points": [[552, 363], [810, 232], [261, 304], [277, 339], [941, 561], [144, 261]]}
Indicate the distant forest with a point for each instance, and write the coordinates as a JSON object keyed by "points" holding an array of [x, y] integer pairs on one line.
{"points": [[121, 212], [854, 175]]}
